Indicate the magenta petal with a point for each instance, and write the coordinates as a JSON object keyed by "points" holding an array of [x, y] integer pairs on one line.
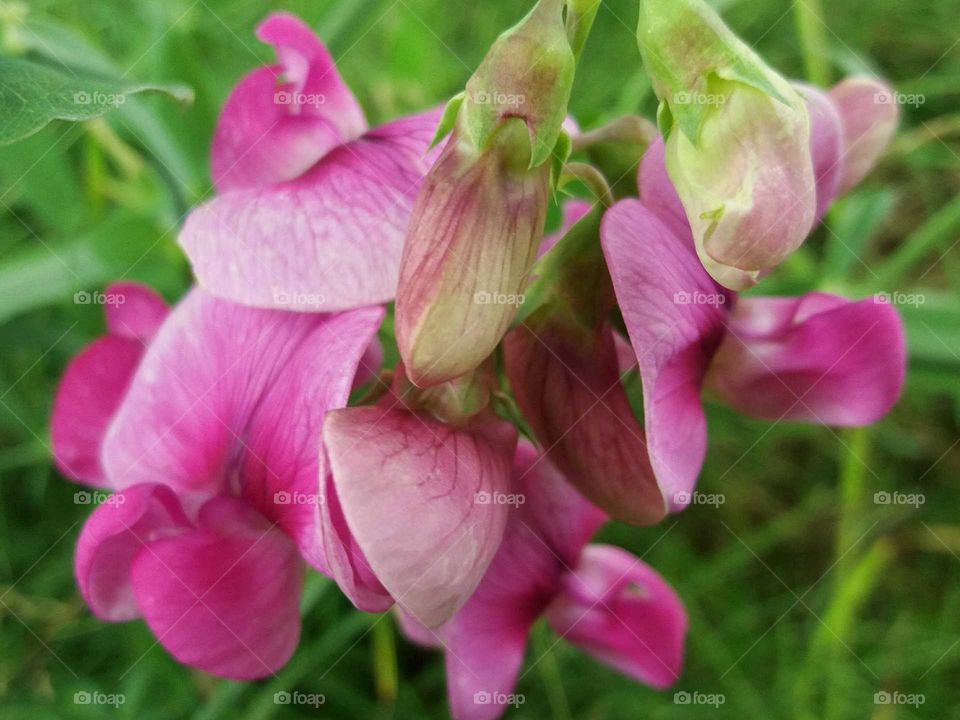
{"points": [[826, 144], [341, 226], [90, 391], [280, 120], [223, 598], [112, 536], [657, 191], [675, 316], [134, 311], [620, 610], [411, 489], [818, 357]]}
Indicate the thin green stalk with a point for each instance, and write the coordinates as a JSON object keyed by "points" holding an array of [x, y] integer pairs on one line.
{"points": [[813, 41], [385, 661]]}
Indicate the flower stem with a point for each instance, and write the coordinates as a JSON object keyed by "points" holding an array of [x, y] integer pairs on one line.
{"points": [[813, 41]]}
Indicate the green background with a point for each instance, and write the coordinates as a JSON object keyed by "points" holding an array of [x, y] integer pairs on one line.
{"points": [[805, 596]]}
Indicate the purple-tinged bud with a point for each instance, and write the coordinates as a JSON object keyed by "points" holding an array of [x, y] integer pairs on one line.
{"points": [[869, 111], [737, 141]]}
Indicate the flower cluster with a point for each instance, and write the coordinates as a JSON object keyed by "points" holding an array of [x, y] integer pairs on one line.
{"points": [[250, 431]]}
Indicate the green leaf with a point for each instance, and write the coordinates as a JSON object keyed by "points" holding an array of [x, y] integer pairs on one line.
{"points": [[33, 95]]}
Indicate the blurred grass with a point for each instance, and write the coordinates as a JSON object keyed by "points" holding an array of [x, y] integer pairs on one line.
{"points": [[805, 597]]}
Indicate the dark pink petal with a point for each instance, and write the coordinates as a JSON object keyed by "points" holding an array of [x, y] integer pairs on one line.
{"points": [[90, 391], [675, 316], [620, 610], [112, 536], [411, 490], [818, 357], [134, 311], [826, 144], [280, 120], [870, 114], [223, 598], [328, 240]]}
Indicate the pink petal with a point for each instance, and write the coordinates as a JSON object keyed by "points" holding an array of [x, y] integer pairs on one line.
{"points": [[675, 316], [569, 390], [134, 311], [870, 114], [230, 399], [657, 191], [340, 227], [223, 598], [410, 490], [112, 536], [573, 210], [818, 357], [620, 610], [273, 129], [826, 144], [90, 391]]}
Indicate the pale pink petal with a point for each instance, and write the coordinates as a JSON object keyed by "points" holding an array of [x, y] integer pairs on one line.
{"points": [[818, 357], [134, 310], [870, 113], [411, 489], [657, 191], [417, 632], [826, 144], [620, 610], [280, 120], [328, 240], [675, 316], [112, 536], [225, 597], [90, 391]]}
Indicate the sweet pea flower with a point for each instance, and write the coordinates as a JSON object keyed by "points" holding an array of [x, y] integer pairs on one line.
{"points": [[407, 492], [206, 425], [312, 206], [599, 597]]}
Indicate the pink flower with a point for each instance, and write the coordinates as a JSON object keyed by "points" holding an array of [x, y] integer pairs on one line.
{"points": [[598, 597], [207, 427], [404, 517], [313, 207]]}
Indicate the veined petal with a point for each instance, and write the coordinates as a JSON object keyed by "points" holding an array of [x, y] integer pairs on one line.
{"points": [[622, 612], [675, 317], [280, 120], [819, 358], [412, 492], [657, 192], [224, 597], [328, 240]]}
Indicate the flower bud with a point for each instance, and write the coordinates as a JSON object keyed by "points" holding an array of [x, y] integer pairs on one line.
{"points": [[471, 243], [737, 141]]}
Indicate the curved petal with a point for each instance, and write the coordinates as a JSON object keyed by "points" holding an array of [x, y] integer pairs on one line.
{"points": [[675, 317], [870, 114], [224, 597], [90, 391], [134, 310], [618, 609], [826, 144], [657, 191], [113, 535], [411, 489], [271, 130], [328, 240], [818, 357]]}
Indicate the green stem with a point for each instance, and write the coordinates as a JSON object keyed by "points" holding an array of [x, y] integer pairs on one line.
{"points": [[813, 40], [385, 661], [580, 16]]}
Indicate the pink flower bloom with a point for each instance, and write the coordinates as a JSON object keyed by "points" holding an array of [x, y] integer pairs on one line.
{"points": [[210, 437], [599, 597], [313, 207], [404, 513]]}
